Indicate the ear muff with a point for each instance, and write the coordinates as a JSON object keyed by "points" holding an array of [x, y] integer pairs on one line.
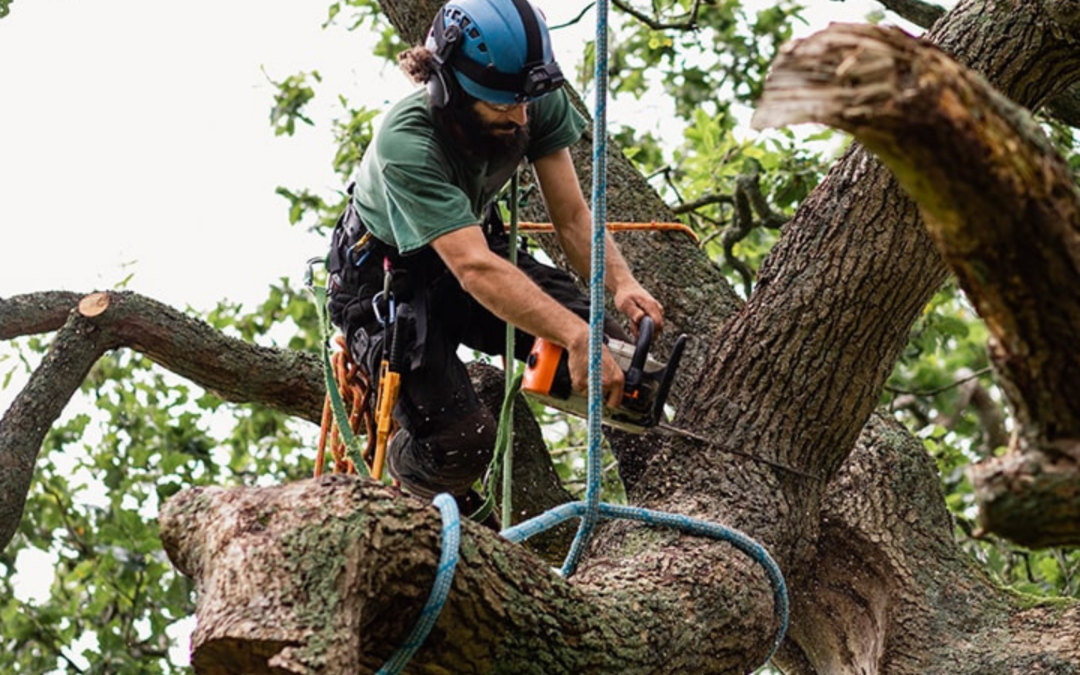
{"points": [[442, 85]]}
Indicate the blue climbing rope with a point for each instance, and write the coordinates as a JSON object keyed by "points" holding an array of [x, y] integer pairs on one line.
{"points": [[694, 526], [444, 578], [596, 296]]}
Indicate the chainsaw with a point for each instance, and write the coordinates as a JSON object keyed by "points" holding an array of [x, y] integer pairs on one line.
{"points": [[645, 389]]}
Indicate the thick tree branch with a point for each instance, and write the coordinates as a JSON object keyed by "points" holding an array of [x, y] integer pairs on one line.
{"points": [[38, 405], [329, 575], [235, 370], [1004, 211]]}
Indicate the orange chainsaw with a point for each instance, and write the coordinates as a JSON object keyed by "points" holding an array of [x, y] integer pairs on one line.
{"points": [[647, 381]]}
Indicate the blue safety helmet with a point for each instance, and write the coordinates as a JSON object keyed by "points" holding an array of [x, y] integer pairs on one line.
{"points": [[498, 51]]}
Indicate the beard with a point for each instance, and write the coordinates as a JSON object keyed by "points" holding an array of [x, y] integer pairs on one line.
{"points": [[483, 141]]}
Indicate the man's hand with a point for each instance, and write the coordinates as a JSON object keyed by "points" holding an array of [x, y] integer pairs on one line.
{"points": [[611, 375], [636, 303]]}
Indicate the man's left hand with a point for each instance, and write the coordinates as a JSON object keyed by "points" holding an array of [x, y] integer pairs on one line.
{"points": [[636, 303]]}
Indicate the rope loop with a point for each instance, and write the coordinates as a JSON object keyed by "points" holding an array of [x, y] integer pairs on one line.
{"points": [[440, 590]]}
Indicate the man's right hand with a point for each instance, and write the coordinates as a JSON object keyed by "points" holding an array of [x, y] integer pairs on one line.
{"points": [[612, 377]]}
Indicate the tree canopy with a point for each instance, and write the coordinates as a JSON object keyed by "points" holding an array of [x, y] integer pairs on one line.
{"points": [[888, 314]]}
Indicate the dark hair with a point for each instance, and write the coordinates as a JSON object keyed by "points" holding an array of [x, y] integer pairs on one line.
{"points": [[418, 63]]}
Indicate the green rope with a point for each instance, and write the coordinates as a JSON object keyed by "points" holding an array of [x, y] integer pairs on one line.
{"points": [[337, 405], [503, 442], [506, 419]]}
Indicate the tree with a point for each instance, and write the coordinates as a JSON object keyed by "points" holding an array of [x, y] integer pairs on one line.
{"points": [[290, 577]]}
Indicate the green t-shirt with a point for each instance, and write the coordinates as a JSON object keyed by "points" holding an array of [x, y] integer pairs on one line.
{"points": [[414, 185]]}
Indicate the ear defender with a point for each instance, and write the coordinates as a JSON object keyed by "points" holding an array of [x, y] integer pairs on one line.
{"points": [[442, 84]]}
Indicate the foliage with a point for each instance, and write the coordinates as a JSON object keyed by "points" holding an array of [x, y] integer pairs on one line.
{"points": [[945, 357], [293, 93]]}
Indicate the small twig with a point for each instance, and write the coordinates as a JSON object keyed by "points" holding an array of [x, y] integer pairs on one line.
{"points": [[944, 388], [576, 19], [688, 25]]}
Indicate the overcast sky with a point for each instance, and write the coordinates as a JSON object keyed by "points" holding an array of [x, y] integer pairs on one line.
{"points": [[134, 139]]}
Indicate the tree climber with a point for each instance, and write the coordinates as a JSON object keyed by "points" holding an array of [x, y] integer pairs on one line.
{"points": [[421, 245]]}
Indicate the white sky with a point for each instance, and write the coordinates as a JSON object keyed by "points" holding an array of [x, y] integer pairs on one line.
{"points": [[134, 138]]}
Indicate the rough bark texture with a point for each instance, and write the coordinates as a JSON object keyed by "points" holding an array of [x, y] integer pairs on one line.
{"points": [[334, 582]]}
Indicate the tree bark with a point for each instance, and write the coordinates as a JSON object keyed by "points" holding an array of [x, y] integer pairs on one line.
{"points": [[329, 575]]}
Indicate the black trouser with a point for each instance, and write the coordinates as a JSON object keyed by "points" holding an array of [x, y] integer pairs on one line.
{"points": [[446, 435]]}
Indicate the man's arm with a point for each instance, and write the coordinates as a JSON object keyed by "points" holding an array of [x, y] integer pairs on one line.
{"points": [[573, 225], [511, 295]]}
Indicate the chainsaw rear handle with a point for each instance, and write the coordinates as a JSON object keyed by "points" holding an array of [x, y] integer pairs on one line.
{"points": [[636, 370]]}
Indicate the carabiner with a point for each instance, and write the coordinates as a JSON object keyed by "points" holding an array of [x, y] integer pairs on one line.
{"points": [[377, 301]]}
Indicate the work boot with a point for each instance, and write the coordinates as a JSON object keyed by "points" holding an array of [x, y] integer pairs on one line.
{"points": [[415, 471], [400, 462], [441, 463]]}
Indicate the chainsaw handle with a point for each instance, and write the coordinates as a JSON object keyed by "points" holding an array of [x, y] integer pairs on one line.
{"points": [[641, 352]]}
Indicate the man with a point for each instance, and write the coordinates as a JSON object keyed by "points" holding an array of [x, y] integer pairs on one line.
{"points": [[415, 256]]}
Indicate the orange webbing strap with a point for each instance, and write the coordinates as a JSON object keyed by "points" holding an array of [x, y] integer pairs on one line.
{"points": [[621, 227], [389, 389], [355, 389]]}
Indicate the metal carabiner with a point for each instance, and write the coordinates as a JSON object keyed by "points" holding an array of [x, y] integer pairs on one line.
{"points": [[377, 300]]}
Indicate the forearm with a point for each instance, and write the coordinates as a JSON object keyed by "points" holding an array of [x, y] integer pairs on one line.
{"points": [[512, 296]]}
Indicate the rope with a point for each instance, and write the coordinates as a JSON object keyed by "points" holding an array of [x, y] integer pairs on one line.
{"points": [[741, 541], [344, 380], [347, 386], [596, 296], [444, 578], [591, 509], [506, 420], [503, 443]]}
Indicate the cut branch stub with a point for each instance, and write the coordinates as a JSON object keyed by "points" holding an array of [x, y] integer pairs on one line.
{"points": [[94, 304]]}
